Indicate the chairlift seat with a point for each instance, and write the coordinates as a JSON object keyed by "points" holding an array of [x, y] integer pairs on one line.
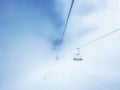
{"points": [[77, 57]]}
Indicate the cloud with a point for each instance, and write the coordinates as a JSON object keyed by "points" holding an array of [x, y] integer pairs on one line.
{"points": [[37, 16]]}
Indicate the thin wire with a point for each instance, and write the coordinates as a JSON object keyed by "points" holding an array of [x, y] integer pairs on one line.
{"points": [[99, 38], [63, 34]]}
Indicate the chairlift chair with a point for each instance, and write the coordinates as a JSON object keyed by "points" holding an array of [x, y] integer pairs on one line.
{"points": [[77, 56]]}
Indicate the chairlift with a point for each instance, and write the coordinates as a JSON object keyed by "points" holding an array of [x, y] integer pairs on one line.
{"points": [[77, 56]]}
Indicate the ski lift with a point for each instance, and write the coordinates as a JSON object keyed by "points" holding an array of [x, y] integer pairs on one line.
{"points": [[77, 56]]}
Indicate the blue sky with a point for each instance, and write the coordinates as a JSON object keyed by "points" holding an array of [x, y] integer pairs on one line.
{"points": [[30, 30]]}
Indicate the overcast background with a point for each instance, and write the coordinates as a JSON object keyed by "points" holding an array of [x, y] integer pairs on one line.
{"points": [[30, 31]]}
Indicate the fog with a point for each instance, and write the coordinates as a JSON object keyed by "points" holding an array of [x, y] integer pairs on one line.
{"points": [[30, 32]]}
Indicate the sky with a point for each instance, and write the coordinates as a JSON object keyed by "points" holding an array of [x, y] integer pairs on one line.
{"points": [[29, 34]]}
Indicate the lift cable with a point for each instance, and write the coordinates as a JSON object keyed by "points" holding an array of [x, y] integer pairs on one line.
{"points": [[101, 37], [63, 34]]}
